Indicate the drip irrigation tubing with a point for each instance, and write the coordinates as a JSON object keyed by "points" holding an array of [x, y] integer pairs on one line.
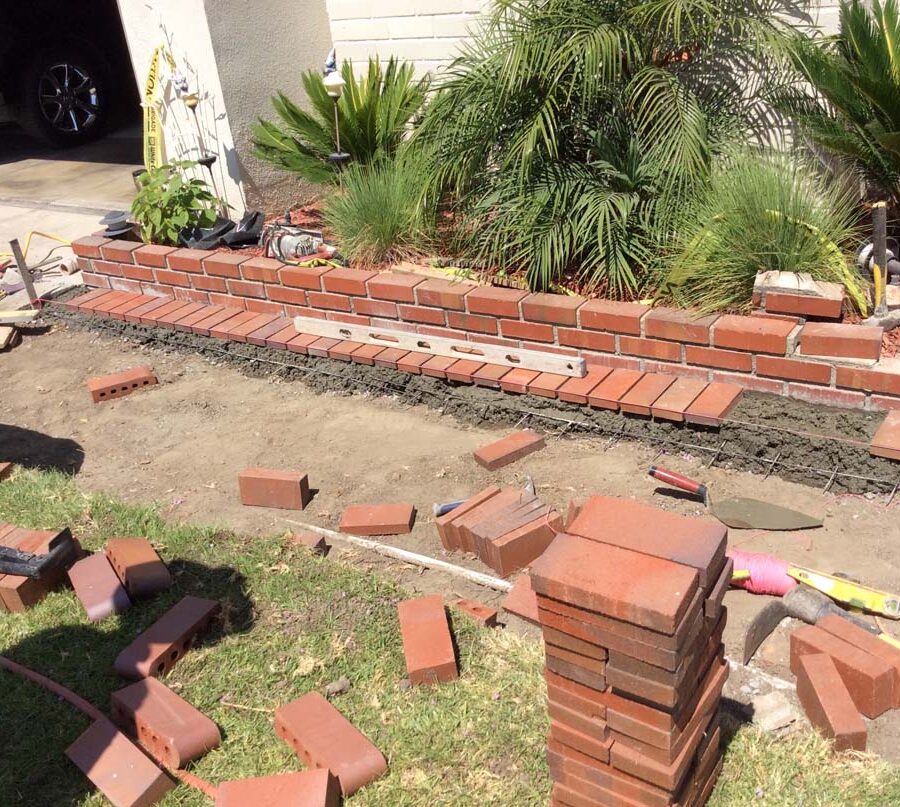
{"points": [[565, 425]]}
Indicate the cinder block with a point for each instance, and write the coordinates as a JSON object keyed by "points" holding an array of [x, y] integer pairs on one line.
{"points": [[427, 643], [323, 738], [117, 385], [263, 487], [827, 702]]}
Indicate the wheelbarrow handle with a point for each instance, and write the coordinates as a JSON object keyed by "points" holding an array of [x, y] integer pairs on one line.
{"points": [[678, 481]]}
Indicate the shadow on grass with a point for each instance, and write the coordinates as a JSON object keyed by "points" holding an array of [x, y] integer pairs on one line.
{"points": [[36, 727], [31, 449]]}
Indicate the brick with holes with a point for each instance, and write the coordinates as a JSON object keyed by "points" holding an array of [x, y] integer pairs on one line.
{"points": [[117, 385], [138, 566]]}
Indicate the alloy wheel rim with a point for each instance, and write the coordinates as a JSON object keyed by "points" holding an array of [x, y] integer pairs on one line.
{"points": [[68, 98]]}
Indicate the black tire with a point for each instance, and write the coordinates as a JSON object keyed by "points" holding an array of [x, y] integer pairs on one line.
{"points": [[59, 114]]}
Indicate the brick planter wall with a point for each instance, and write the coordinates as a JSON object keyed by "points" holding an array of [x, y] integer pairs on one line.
{"points": [[762, 352]]}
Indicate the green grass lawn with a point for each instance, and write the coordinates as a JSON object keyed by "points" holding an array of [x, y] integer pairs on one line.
{"points": [[295, 622]]}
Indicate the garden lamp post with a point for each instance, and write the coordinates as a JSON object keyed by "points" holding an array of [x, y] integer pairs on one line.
{"points": [[334, 86]]}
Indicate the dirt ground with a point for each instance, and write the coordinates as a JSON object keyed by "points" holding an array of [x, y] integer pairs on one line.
{"points": [[181, 444]]}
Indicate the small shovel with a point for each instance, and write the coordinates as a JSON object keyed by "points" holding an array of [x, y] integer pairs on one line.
{"points": [[740, 513]]}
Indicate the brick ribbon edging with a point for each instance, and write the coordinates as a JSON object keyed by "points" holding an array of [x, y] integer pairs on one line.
{"points": [[820, 362], [617, 389]]}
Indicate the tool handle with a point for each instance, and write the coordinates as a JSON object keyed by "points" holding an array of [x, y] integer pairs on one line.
{"points": [[678, 481]]}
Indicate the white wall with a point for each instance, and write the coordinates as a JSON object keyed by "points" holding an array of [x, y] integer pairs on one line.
{"points": [[182, 25], [424, 32]]}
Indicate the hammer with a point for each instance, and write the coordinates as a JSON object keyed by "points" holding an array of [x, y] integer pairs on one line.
{"points": [[801, 602]]}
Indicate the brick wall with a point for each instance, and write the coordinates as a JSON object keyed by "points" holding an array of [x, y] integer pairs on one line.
{"points": [[424, 32], [764, 352]]}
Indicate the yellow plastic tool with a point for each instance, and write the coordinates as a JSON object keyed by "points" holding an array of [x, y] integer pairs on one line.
{"points": [[845, 591]]}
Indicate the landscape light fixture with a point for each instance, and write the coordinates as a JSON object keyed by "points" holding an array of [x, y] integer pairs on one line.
{"points": [[334, 86]]}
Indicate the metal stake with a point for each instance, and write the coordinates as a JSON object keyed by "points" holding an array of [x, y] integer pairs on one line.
{"points": [[772, 466], [831, 479], [24, 271], [718, 453]]}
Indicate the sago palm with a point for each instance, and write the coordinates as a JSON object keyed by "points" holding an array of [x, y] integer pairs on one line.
{"points": [[565, 126], [373, 113], [848, 98]]}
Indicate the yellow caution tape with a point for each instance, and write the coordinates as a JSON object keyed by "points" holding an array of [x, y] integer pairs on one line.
{"points": [[154, 141]]}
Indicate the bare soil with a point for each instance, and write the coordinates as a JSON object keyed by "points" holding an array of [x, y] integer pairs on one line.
{"points": [[181, 444]]}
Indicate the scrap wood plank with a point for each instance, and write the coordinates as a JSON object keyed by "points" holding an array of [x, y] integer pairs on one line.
{"points": [[15, 317], [9, 336], [441, 346]]}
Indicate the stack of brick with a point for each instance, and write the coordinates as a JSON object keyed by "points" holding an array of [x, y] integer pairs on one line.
{"points": [[506, 528], [634, 656]]}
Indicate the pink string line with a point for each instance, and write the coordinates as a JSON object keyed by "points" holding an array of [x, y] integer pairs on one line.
{"points": [[768, 574]]}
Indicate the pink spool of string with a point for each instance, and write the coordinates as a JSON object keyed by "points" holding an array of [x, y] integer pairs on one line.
{"points": [[768, 574]]}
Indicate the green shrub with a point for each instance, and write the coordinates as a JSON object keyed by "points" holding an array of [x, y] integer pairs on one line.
{"points": [[168, 203], [760, 212], [376, 215], [569, 129], [373, 112]]}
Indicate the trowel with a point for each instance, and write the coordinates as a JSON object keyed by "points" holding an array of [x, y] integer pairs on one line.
{"points": [[740, 513]]}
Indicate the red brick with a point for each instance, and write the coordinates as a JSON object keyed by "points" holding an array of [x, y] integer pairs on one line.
{"points": [[138, 566], [642, 395], [153, 255], [826, 396], [89, 247], [168, 278], [261, 270], [573, 337], [886, 442], [626, 585], [777, 317], [608, 315], [557, 309], [412, 362], [223, 264], [445, 523], [121, 310], [107, 387], [804, 305], [714, 404], [184, 323], [84, 300], [444, 333], [374, 308], [314, 788], [882, 403], [397, 287], [264, 307], [323, 738], [513, 329], [378, 519], [427, 643], [389, 357], [521, 600], [608, 393], [285, 295], [509, 449], [751, 382], [310, 541], [138, 272], [205, 283], [90, 279], [225, 328], [432, 316], [97, 587], [577, 390], [342, 350], [495, 301], [192, 295], [188, 260], [301, 342], [568, 736], [436, 366], [111, 268], [794, 370], [347, 281], [486, 339], [167, 726], [871, 644], [463, 370], [219, 315], [875, 379], [263, 487], [827, 702], [117, 768], [580, 781], [471, 322], [755, 334], [650, 348], [303, 277], [244, 288], [723, 359], [671, 405], [333, 302], [169, 320], [490, 375], [226, 300], [110, 301], [119, 251], [156, 290], [869, 680], [131, 286], [366, 354], [678, 325], [517, 380], [547, 384], [157, 649], [483, 614], [845, 341], [153, 303], [628, 524], [6, 469], [447, 294]]}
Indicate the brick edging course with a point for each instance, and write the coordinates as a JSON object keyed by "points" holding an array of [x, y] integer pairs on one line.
{"points": [[761, 352]]}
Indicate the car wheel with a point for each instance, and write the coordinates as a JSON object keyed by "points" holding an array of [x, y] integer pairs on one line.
{"points": [[64, 97]]}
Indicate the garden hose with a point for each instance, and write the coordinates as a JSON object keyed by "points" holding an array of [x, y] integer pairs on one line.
{"points": [[51, 236]]}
